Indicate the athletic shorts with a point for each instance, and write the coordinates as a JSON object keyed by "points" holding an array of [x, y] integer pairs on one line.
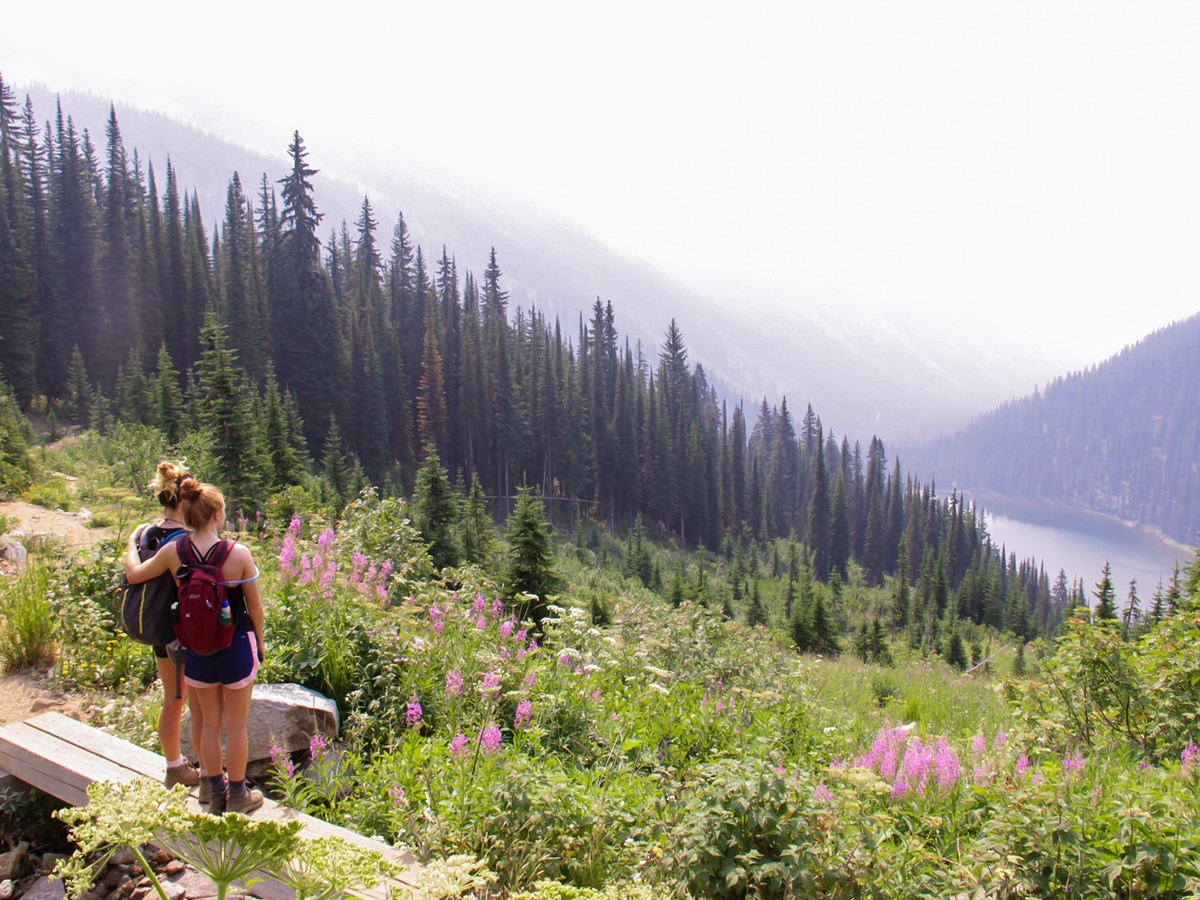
{"points": [[234, 667]]}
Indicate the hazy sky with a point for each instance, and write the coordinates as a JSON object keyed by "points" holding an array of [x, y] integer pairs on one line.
{"points": [[1025, 170]]}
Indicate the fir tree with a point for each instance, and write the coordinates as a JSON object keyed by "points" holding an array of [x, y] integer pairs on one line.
{"points": [[530, 578], [436, 512], [1106, 610]]}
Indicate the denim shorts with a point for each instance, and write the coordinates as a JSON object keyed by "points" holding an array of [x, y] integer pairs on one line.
{"points": [[234, 667]]}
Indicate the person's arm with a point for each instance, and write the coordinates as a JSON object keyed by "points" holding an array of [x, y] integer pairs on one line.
{"points": [[165, 560], [244, 566]]}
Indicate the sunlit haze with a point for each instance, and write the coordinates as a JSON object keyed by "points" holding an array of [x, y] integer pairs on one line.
{"points": [[1022, 171]]}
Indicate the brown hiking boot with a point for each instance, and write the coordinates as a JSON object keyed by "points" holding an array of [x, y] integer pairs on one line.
{"points": [[205, 791], [185, 775], [216, 804], [244, 803]]}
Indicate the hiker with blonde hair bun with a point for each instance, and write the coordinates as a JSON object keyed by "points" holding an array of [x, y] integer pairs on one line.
{"points": [[221, 683]]}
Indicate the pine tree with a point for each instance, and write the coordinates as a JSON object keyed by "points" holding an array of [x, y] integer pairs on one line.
{"points": [[308, 351], [756, 614], [531, 578], [1106, 610], [824, 635], [226, 412], [436, 512], [820, 540]]}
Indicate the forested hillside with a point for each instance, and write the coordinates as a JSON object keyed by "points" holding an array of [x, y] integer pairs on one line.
{"points": [[260, 346], [1120, 438]]}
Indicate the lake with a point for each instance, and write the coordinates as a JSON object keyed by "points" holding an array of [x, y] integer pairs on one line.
{"points": [[1081, 542]]}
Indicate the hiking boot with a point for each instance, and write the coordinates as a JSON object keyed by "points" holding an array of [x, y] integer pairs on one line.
{"points": [[244, 803], [217, 802], [205, 791], [185, 775]]}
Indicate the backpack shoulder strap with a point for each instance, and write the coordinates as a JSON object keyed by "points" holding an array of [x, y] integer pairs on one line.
{"points": [[219, 553], [187, 551]]}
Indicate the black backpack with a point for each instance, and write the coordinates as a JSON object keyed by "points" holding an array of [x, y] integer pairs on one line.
{"points": [[146, 608]]}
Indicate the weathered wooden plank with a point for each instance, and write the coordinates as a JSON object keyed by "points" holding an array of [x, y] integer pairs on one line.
{"points": [[93, 740], [53, 765], [61, 756]]}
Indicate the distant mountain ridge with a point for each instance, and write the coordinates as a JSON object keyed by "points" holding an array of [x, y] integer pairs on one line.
{"points": [[1121, 438], [862, 379]]}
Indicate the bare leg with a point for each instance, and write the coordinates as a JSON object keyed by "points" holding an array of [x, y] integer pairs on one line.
{"points": [[172, 711], [210, 704], [237, 716], [197, 726]]}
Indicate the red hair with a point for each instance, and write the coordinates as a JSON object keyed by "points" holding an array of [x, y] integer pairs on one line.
{"points": [[200, 502]]}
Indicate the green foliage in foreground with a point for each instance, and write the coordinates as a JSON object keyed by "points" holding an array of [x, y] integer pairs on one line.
{"points": [[672, 752]]}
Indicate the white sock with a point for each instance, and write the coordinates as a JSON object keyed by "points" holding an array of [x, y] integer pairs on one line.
{"points": [[176, 763]]}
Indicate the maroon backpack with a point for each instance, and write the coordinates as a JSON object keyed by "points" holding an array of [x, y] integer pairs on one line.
{"points": [[198, 624]]}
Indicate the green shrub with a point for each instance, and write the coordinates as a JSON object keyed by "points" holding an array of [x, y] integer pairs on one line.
{"points": [[51, 493], [28, 620]]}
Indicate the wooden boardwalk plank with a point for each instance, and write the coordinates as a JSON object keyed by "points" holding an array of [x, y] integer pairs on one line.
{"points": [[61, 756]]}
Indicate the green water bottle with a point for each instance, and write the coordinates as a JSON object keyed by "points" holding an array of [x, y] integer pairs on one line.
{"points": [[224, 617]]}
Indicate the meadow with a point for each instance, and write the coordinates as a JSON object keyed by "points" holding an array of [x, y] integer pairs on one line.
{"points": [[631, 747]]}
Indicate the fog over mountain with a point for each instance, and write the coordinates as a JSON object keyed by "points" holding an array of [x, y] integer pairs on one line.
{"points": [[861, 377]]}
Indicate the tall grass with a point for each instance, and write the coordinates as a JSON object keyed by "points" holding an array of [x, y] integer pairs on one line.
{"points": [[27, 622]]}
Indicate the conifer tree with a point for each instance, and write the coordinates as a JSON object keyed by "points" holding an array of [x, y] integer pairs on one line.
{"points": [[1106, 610], [819, 539], [530, 578], [308, 350], [436, 511], [225, 411]]}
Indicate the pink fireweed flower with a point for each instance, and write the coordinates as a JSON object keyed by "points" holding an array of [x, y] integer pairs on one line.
{"points": [[316, 745], [287, 555], [1073, 763], [524, 712], [386, 569], [720, 707], [596, 694], [1188, 757], [945, 765], [413, 714], [978, 745], [305, 570], [294, 526], [822, 794], [325, 540], [358, 561], [528, 680], [489, 739], [460, 745], [399, 798], [491, 685], [1022, 765], [480, 622], [520, 636], [281, 758], [497, 608], [453, 685], [480, 604], [506, 628], [1001, 740], [564, 659]]}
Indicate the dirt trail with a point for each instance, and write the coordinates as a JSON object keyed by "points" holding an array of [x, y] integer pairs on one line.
{"points": [[54, 524]]}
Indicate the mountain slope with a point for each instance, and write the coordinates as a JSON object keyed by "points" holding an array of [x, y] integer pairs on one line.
{"points": [[861, 378], [1122, 438]]}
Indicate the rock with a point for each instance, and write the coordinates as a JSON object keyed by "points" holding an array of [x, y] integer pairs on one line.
{"points": [[114, 878], [174, 891], [123, 857], [42, 703], [46, 888], [16, 864], [173, 868], [50, 862], [195, 885], [13, 551], [91, 895], [284, 715]]}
